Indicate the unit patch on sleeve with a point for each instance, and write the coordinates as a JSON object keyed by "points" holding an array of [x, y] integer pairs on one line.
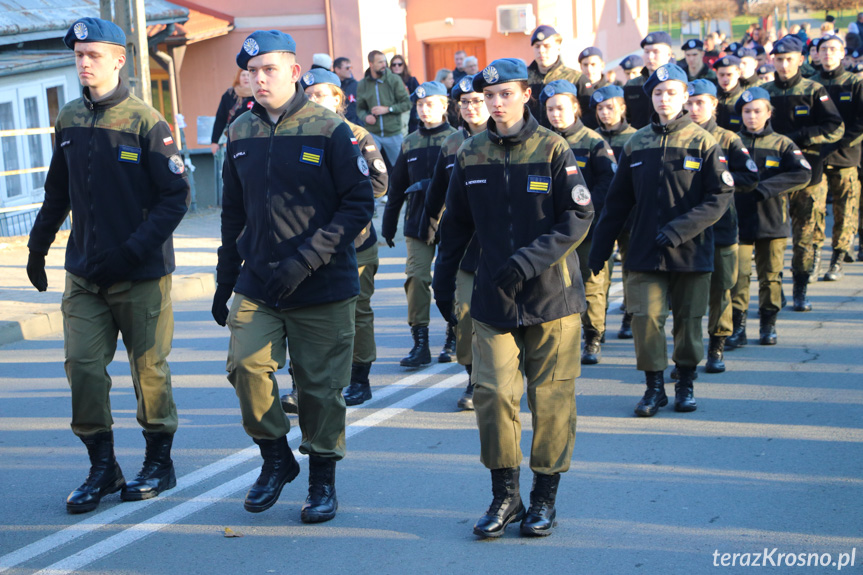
{"points": [[691, 163], [176, 165], [311, 156], [130, 154], [363, 165], [580, 195], [538, 184], [727, 178]]}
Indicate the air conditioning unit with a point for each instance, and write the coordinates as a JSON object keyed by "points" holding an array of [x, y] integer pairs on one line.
{"points": [[513, 18]]}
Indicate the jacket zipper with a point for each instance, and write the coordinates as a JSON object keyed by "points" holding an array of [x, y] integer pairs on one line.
{"points": [[269, 197], [518, 314], [662, 143], [90, 175], [378, 98]]}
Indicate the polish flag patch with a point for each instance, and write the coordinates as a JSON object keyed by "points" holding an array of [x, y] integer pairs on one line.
{"points": [[798, 153], [571, 170], [824, 98], [745, 151], [723, 160], [168, 141], [354, 141]]}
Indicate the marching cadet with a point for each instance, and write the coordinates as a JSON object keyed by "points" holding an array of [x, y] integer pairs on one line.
{"points": [[592, 69], [517, 187], [296, 196], [657, 52], [474, 117], [728, 92], [546, 67], [803, 111], [748, 67], [671, 248], [763, 215], [766, 73], [596, 162], [702, 109], [324, 88], [610, 110], [116, 167], [631, 66], [410, 178], [841, 159], [696, 68]]}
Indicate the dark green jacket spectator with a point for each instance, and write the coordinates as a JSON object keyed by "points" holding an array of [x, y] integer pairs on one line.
{"points": [[388, 90]]}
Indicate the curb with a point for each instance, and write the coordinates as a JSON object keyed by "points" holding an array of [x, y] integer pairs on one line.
{"points": [[36, 325]]}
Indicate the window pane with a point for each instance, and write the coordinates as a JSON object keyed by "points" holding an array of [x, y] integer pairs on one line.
{"points": [[35, 142], [9, 146]]}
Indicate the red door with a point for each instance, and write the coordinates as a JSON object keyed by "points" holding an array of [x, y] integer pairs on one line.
{"points": [[442, 54]]}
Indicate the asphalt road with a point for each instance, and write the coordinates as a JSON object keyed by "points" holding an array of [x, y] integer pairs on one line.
{"points": [[771, 460]]}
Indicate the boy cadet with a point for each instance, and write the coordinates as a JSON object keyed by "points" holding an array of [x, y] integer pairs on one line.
{"points": [[804, 112], [296, 195], [696, 67], [592, 66], [631, 66], [518, 187], [671, 247], [657, 52], [546, 67], [116, 167], [728, 92], [841, 159], [748, 67]]}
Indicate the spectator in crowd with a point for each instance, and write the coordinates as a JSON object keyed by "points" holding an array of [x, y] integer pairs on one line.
{"points": [[857, 26], [381, 100], [236, 100], [344, 70], [471, 66], [459, 72], [399, 67], [323, 61]]}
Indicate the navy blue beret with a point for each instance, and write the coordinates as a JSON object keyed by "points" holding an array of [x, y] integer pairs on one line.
{"points": [[656, 38], [726, 61], [693, 44], [856, 68], [702, 86], [500, 71], [463, 86], [605, 93], [542, 33], [94, 30], [319, 76], [746, 53], [557, 87], [588, 52], [836, 37], [263, 42], [765, 69], [788, 45], [427, 89], [733, 47], [759, 50], [857, 53], [750, 95], [665, 73], [633, 61]]}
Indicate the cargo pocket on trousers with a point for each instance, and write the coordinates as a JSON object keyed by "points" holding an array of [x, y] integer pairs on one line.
{"points": [[568, 359], [339, 361], [158, 332]]}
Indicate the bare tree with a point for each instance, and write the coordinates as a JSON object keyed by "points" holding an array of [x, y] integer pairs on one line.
{"points": [[708, 10], [830, 5], [764, 8]]}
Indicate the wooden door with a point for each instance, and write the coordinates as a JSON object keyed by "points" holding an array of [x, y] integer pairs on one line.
{"points": [[442, 55]]}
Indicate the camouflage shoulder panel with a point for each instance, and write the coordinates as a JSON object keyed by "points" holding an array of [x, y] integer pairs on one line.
{"points": [[247, 125], [310, 120], [131, 116], [642, 139], [358, 131], [412, 141], [637, 81], [543, 145], [438, 139], [453, 142], [563, 73], [776, 141], [691, 137], [480, 151], [74, 115], [593, 137], [724, 137]]}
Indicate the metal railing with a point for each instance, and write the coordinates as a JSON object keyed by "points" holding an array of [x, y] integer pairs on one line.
{"points": [[18, 220]]}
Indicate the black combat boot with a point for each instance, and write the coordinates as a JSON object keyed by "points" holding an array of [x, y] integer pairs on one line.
{"points": [[360, 390], [834, 274], [738, 334], [715, 355], [449, 345], [625, 331], [539, 520], [157, 473], [801, 302], [592, 352], [321, 504], [675, 375], [506, 505], [105, 475], [654, 397], [683, 398], [816, 266], [466, 400], [289, 400], [768, 327], [279, 468], [420, 354]]}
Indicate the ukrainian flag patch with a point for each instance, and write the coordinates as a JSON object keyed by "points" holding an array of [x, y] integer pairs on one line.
{"points": [[130, 154], [693, 164], [845, 96], [801, 110], [734, 120], [772, 162], [538, 184], [311, 156], [581, 161]]}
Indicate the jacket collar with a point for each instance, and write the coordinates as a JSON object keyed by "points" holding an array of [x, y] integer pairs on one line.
{"points": [[120, 94], [790, 83], [768, 129], [297, 101], [437, 130], [619, 129], [572, 129], [709, 125], [530, 126], [535, 66], [832, 74], [678, 123], [734, 90]]}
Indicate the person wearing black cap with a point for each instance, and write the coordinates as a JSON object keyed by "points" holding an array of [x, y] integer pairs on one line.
{"points": [[766, 73], [631, 66], [593, 78], [728, 92], [841, 159], [596, 162], [411, 175], [518, 187], [748, 67], [671, 248], [701, 106], [803, 111], [610, 109], [693, 52], [474, 117], [763, 216], [288, 257], [546, 67], [117, 169], [657, 52]]}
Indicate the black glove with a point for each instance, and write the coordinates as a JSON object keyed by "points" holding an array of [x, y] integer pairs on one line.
{"points": [[390, 242], [220, 303], [596, 267], [662, 240], [112, 266], [287, 276], [446, 310], [36, 271], [509, 276]]}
